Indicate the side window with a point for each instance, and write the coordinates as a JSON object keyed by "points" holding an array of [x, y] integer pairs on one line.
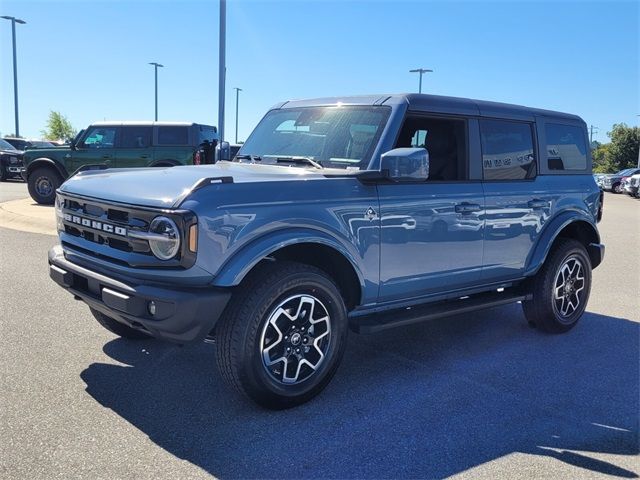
{"points": [[507, 150], [444, 139], [566, 147], [100, 137], [135, 137], [173, 136]]}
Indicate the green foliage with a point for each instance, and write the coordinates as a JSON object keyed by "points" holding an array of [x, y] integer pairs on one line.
{"points": [[58, 127], [620, 153]]}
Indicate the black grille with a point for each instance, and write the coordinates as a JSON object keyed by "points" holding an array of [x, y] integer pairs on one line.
{"points": [[92, 222]]}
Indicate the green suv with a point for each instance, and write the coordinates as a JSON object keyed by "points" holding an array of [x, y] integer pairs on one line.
{"points": [[118, 145]]}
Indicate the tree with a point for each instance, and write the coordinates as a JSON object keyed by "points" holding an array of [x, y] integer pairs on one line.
{"points": [[58, 127], [623, 149]]}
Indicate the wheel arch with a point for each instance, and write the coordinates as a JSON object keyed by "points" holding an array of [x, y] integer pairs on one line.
{"points": [[572, 225], [164, 163], [47, 162], [308, 248]]}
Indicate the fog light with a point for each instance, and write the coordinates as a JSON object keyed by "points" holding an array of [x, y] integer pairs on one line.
{"points": [[151, 306]]}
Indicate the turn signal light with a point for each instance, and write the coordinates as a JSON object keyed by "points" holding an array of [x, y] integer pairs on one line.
{"points": [[193, 238]]}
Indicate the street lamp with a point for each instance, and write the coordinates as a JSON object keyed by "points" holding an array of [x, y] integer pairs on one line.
{"points": [[238, 90], [15, 20], [222, 67], [421, 71], [155, 67]]}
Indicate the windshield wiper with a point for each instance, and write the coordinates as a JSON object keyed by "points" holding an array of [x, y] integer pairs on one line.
{"points": [[297, 159], [253, 158]]}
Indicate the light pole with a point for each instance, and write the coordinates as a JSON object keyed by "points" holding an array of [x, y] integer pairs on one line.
{"points": [[421, 71], [238, 90], [15, 20], [222, 67], [155, 67]]}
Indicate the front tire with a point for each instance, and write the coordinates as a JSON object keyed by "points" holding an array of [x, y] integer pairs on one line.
{"points": [[560, 288], [3, 173], [43, 183], [283, 335], [617, 188]]}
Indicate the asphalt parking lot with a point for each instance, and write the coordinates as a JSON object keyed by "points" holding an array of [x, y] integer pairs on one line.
{"points": [[474, 396]]}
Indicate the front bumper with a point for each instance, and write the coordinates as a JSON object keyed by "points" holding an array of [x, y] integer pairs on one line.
{"points": [[182, 315]]}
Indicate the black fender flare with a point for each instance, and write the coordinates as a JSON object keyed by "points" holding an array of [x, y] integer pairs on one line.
{"points": [[551, 232], [47, 162]]}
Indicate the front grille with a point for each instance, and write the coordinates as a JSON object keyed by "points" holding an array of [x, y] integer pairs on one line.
{"points": [[102, 229]]}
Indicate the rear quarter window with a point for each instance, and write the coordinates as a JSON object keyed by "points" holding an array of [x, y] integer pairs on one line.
{"points": [[566, 147], [173, 136]]}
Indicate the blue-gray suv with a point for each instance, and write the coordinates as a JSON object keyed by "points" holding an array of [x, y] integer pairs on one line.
{"points": [[359, 213]]}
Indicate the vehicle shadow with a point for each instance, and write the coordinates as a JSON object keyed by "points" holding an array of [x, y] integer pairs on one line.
{"points": [[428, 401]]}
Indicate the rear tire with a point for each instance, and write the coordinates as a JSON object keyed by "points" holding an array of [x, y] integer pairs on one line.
{"points": [[118, 328], [560, 288], [43, 183], [283, 334], [617, 188]]}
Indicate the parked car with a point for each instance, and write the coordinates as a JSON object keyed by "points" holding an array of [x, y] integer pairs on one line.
{"points": [[24, 144], [613, 183], [326, 221], [11, 165], [116, 144], [631, 185]]}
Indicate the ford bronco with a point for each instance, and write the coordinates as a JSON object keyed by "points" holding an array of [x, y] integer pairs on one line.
{"points": [[359, 213], [116, 144]]}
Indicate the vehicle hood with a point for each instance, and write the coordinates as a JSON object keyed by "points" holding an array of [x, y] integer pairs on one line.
{"points": [[17, 153], [167, 187], [52, 152]]}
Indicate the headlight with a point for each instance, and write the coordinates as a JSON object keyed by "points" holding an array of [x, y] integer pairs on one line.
{"points": [[165, 238]]}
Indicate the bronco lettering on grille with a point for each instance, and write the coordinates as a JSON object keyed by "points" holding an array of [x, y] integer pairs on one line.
{"points": [[105, 227]]}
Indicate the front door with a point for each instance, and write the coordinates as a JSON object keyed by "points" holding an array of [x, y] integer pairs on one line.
{"points": [[431, 232], [431, 238], [96, 148]]}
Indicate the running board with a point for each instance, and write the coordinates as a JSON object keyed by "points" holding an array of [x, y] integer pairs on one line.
{"points": [[431, 311]]}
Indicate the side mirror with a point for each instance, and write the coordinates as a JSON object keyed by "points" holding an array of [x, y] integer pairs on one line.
{"points": [[72, 144], [406, 164], [223, 151]]}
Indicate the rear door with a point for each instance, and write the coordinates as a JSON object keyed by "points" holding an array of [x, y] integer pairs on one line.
{"points": [[134, 146], [516, 201], [432, 232]]}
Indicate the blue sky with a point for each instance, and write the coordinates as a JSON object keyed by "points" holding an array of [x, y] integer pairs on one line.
{"points": [[89, 59]]}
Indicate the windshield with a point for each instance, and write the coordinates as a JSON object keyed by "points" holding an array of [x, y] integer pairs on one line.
{"points": [[4, 145], [334, 137]]}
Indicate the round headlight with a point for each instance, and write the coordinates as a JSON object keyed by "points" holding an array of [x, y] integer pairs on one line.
{"points": [[167, 244]]}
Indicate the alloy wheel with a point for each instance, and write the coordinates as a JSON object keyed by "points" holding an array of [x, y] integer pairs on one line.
{"points": [[295, 339], [568, 291]]}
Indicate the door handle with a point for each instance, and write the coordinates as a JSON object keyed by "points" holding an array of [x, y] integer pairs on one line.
{"points": [[467, 208], [537, 204], [144, 156], [106, 156]]}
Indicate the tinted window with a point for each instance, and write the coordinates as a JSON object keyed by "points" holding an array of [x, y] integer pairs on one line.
{"points": [[100, 137], [507, 150], [136, 137], [445, 142], [4, 145], [173, 136], [566, 147]]}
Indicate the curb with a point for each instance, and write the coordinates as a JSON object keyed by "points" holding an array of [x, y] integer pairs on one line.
{"points": [[27, 216]]}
